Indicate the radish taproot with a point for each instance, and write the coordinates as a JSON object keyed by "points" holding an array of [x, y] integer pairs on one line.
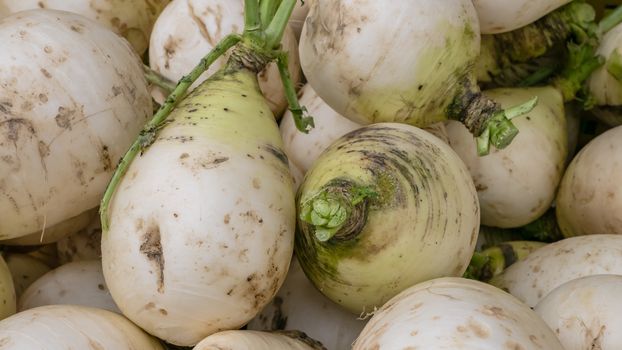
{"points": [[131, 19], [75, 283], [382, 209], [589, 200], [517, 184], [181, 266], [187, 29], [531, 279], [55, 327], [300, 306], [585, 312], [418, 75], [503, 16], [61, 134], [256, 340], [455, 313]]}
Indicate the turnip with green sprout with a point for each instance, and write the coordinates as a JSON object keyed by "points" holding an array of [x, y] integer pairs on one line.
{"points": [[455, 313], [198, 221], [495, 259], [516, 185], [384, 207], [187, 29], [72, 99], [418, 75]]}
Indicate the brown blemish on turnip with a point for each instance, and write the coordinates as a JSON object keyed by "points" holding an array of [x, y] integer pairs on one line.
{"points": [[170, 46], [63, 118], [104, 157], [151, 247]]}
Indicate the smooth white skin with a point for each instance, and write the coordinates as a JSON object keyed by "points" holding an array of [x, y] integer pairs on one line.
{"points": [[8, 302], [455, 313], [25, 269], [589, 200], [243, 340], [188, 29], [56, 232], [498, 16], [197, 246], [62, 136], [531, 279], [517, 184], [303, 149], [60, 327], [130, 19], [82, 245], [75, 283], [604, 87], [585, 312], [378, 61], [306, 309]]}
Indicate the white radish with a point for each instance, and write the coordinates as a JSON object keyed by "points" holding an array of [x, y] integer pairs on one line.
{"points": [[61, 134], [82, 245], [188, 29], [585, 312], [531, 279], [56, 327], [386, 206], [300, 306], [497, 16], [455, 313], [589, 200], [56, 232], [75, 283], [25, 269], [130, 19], [517, 184], [244, 339], [303, 149]]}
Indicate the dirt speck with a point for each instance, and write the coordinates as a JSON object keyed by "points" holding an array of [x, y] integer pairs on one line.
{"points": [[63, 118], [151, 247], [227, 218]]}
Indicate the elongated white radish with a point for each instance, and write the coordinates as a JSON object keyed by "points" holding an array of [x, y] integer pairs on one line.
{"points": [[300, 306], [531, 279], [382, 209], [61, 134], [243, 339], [585, 312], [55, 327], [25, 269], [517, 184], [130, 19], [303, 149], [455, 313], [503, 16], [75, 283], [589, 200], [188, 29]]}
